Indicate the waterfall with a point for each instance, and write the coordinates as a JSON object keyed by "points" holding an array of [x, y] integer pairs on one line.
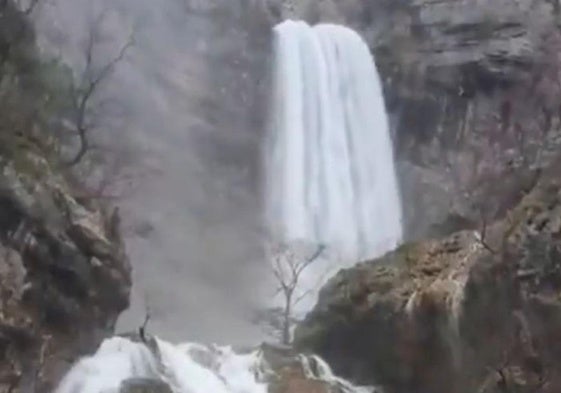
{"points": [[186, 368], [331, 176]]}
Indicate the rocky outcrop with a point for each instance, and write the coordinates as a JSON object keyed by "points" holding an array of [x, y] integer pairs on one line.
{"points": [[478, 311], [289, 374], [64, 275], [472, 89]]}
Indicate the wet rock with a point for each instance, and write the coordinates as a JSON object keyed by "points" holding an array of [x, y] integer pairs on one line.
{"points": [[141, 385], [293, 380], [278, 355], [289, 374], [482, 309]]}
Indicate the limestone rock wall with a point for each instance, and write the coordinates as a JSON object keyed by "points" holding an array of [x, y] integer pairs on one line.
{"points": [[64, 275]]}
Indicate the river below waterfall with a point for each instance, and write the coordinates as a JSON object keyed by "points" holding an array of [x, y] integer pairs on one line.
{"points": [[190, 368]]}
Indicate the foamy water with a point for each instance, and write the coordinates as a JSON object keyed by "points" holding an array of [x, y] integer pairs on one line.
{"points": [[186, 368]]}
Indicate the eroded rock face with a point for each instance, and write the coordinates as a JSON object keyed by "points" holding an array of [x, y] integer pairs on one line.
{"points": [[470, 86], [462, 314], [64, 275]]}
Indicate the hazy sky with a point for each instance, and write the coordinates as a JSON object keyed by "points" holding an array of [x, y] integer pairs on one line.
{"points": [[191, 106]]}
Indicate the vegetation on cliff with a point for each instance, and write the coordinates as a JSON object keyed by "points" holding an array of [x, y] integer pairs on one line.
{"points": [[64, 275]]}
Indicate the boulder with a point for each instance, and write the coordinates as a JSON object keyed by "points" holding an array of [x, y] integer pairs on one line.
{"points": [[140, 385], [470, 312]]}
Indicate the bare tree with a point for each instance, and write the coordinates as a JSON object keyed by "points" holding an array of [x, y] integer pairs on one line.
{"points": [[287, 268], [108, 174], [111, 178], [85, 91]]}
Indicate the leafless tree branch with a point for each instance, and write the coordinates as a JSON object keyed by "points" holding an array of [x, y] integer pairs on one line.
{"points": [[287, 269], [84, 92]]}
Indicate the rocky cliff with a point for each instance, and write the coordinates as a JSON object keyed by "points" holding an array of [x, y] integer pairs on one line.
{"points": [[64, 276], [477, 311], [472, 89], [473, 92]]}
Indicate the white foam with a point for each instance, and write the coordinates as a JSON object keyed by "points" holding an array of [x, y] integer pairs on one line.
{"points": [[119, 359]]}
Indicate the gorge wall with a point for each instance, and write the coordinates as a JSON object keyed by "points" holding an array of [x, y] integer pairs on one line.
{"points": [[473, 91], [470, 88]]}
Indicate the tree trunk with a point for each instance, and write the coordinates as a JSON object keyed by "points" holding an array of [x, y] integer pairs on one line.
{"points": [[84, 147], [286, 321]]}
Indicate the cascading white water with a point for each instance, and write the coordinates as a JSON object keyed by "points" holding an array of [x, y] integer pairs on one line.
{"points": [[187, 368], [331, 176]]}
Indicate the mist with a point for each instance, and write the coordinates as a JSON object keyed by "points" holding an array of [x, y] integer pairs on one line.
{"points": [[188, 109]]}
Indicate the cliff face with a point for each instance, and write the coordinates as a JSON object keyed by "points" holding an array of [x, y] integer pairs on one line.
{"points": [[476, 311], [473, 93], [472, 89], [64, 276]]}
